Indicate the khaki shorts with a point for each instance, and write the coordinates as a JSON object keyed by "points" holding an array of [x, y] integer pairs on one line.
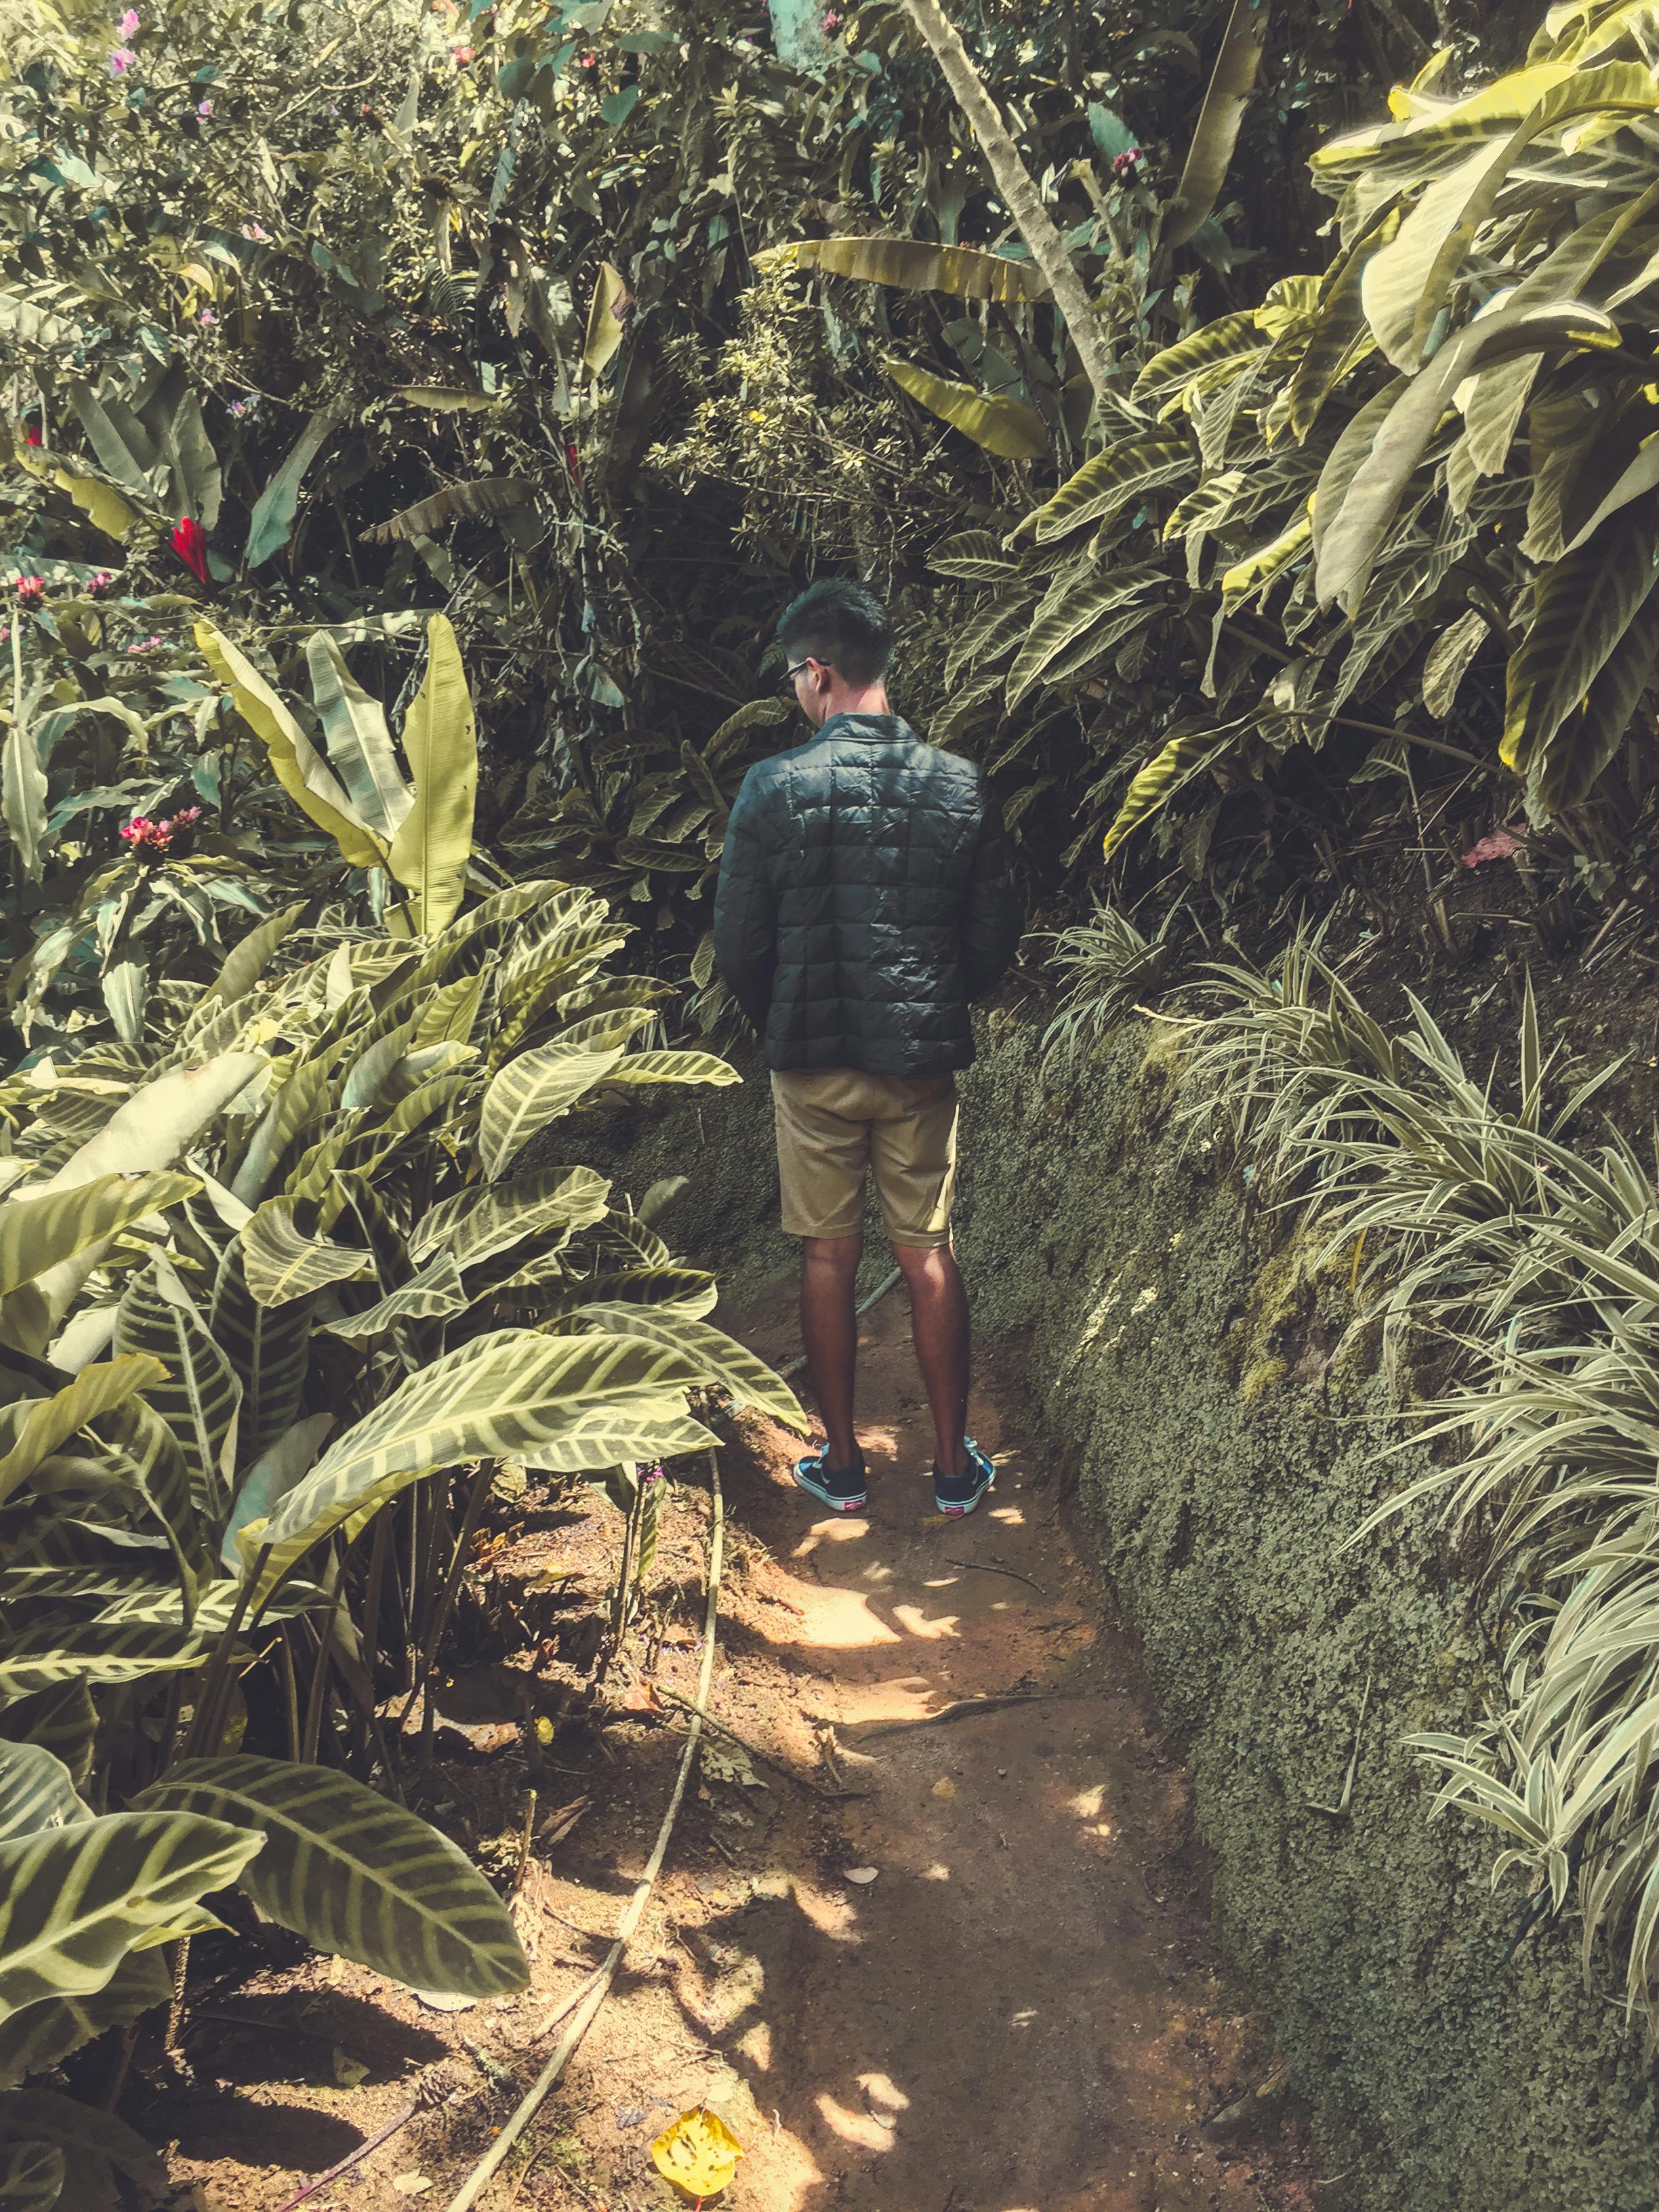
{"points": [[834, 1123]]}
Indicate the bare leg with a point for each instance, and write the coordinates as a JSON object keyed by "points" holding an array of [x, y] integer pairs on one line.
{"points": [[939, 1323], [829, 1330]]}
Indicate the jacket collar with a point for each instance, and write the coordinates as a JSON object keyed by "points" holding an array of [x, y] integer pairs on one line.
{"points": [[874, 729]]}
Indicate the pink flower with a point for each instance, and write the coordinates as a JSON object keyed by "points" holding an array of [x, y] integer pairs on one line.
{"points": [[99, 582], [121, 61], [208, 319], [831, 23], [460, 56], [31, 590], [5, 632], [256, 231], [204, 108], [1497, 845], [1125, 167], [128, 26], [152, 841], [144, 644]]}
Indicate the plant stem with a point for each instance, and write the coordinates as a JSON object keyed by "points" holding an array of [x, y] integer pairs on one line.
{"points": [[594, 1992], [1014, 182]]}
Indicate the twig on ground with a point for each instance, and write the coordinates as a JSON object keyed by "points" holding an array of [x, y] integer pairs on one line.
{"points": [[588, 2000], [984, 1567], [964, 1707], [353, 2158], [765, 1758]]}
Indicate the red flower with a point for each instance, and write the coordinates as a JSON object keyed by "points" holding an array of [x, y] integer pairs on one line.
{"points": [[31, 433], [31, 590], [188, 543]]}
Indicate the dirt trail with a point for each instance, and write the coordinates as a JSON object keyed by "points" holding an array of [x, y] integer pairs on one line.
{"points": [[1018, 2014]]}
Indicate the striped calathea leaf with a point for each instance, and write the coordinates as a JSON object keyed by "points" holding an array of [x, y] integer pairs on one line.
{"points": [[355, 1875], [74, 1900]]}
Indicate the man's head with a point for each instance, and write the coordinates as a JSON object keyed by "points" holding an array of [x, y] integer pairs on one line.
{"points": [[837, 642]]}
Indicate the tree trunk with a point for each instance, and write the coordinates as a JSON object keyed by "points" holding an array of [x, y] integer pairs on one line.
{"points": [[1013, 180]]}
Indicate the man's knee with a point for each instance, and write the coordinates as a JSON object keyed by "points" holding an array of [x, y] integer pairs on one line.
{"points": [[833, 1254]]}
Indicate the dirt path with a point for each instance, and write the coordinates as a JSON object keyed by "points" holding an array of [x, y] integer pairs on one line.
{"points": [[1017, 2014]]}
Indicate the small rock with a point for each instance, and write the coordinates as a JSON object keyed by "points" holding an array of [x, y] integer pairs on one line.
{"points": [[861, 1874]]}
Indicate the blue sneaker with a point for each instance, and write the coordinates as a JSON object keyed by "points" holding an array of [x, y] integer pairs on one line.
{"points": [[959, 1493], [842, 1488]]}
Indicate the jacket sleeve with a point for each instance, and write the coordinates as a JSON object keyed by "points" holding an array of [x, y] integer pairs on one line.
{"points": [[746, 906], [991, 917]]}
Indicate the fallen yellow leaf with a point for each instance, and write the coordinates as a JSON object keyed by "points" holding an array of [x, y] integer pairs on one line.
{"points": [[698, 2152]]}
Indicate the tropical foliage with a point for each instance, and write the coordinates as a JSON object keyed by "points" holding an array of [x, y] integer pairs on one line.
{"points": [[1488, 1240], [261, 1278]]}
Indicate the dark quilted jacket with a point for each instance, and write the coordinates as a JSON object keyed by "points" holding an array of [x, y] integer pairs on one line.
{"points": [[864, 897]]}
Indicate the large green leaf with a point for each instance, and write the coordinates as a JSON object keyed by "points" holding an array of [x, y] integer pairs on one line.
{"points": [[1007, 427], [1405, 285], [1173, 766], [63, 1652], [1349, 544], [266, 1483], [1106, 484], [280, 1262], [1078, 609], [42, 1228], [42, 2033], [63, 1721], [913, 264], [1230, 342], [74, 1901], [355, 1875], [1584, 605], [272, 519], [23, 790], [1337, 340], [36, 1792], [359, 742], [435, 1293], [673, 1065], [295, 761], [1570, 762], [512, 1395], [269, 1347], [247, 960], [31, 2177], [1225, 99], [723, 1359], [433, 845], [478, 1224], [49, 1422], [532, 1090], [197, 1391], [83, 2134]]}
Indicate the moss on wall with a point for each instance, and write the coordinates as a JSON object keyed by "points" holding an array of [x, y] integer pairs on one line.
{"points": [[1229, 1433]]}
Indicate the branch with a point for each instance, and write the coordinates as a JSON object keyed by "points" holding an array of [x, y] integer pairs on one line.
{"points": [[1013, 181]]}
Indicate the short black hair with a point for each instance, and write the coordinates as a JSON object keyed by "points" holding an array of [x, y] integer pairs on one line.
{"points": [[841, 623]]}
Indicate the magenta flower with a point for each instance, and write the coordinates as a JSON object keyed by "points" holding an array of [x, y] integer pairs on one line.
{"points": [[204, 108], [152, 841], [1125, 167], [31, 590], [121, 61], [98, 582], [128, 26], [831, 23]]}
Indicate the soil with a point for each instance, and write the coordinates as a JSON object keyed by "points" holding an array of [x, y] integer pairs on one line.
{"points": [[1014, 2007]]}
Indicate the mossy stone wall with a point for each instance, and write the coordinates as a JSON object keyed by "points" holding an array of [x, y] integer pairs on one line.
{"points": [[1190, 1354]]}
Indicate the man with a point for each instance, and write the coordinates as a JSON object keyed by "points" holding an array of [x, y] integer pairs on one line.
{"points": [[864, 897]]}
